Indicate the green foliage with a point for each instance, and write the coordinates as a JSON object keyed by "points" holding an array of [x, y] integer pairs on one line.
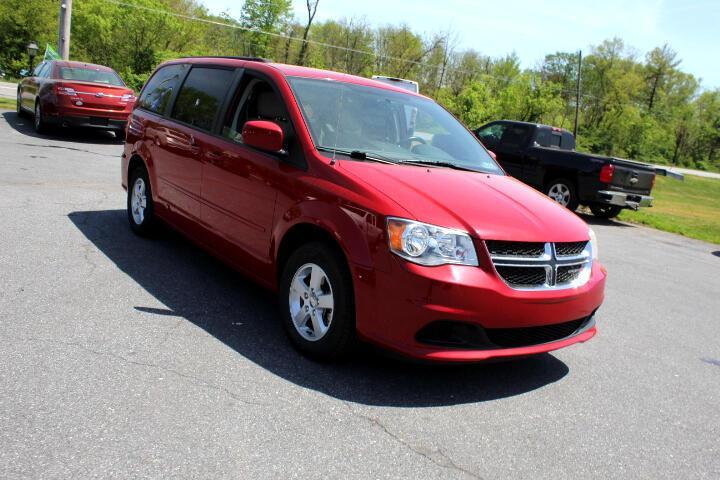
{"points": [[690, 208], [643, 108]]}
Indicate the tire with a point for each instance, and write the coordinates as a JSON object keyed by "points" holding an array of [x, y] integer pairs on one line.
{"points": [[563, 191], [19, 109], [316, 289], [38, 121], [142, 218], [119, 135], [605, 211]]}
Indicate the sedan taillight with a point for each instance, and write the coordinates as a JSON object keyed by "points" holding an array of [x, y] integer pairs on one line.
{"points": [[606, 173]]}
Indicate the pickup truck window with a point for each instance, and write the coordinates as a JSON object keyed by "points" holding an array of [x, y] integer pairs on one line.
{"points": [[515, 136], [547, 138], [491, 135]]}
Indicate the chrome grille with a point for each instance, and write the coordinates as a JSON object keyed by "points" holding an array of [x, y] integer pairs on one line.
{"points": [[521, 249], [566, 249], [525, 266]]}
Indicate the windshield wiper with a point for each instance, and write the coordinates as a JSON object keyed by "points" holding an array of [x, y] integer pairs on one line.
{"points": [[439, 163], [358, 155]]}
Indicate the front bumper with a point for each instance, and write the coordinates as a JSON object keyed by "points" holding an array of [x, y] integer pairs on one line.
{"points": [[410, 297], [625, 200]]}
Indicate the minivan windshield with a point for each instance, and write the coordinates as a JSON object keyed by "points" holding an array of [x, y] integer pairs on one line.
{"points": [[390, 125]]}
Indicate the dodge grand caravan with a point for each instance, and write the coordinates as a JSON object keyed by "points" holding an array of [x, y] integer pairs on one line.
{"points": [[371, 210]]}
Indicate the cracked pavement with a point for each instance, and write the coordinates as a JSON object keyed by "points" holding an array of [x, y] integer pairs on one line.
{"points": [[128, 358]]}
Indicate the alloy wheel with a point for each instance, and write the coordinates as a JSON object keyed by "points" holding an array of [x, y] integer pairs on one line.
{"points": [[560, 193], [138, 201], [311, 302]]}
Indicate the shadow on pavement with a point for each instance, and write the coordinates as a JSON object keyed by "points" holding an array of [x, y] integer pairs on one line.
{"points": [[716, 253], [25, 126], [195, 286]]}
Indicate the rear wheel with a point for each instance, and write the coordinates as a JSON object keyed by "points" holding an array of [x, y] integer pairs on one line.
{"points": [[605, 211], [563, 192], [140, 207], [19, 109], [316, 302], [39, 122]]}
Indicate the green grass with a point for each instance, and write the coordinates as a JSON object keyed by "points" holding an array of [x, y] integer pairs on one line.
{"points": [[690, 208], [7, 103]]}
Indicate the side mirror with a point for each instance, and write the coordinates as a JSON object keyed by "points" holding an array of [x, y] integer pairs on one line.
{"points": [[23, 73], [264, 135], [492, 154]]}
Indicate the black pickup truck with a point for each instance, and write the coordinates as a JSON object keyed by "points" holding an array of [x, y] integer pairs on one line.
{"points": [[544, 157]]}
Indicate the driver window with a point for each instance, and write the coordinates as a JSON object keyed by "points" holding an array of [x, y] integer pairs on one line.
{"points": [[254, 100]]}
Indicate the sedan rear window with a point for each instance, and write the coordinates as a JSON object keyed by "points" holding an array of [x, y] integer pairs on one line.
{"points": [[91, 75]]}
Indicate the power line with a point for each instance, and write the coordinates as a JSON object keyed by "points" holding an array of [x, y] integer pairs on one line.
{"points": [[312, 42]]}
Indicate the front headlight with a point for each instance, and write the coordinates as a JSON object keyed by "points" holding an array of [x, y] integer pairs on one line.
{"points": [[593, 244], [430, 245]]}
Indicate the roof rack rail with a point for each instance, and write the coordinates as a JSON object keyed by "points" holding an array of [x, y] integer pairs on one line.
{"points": [[248, 59]]}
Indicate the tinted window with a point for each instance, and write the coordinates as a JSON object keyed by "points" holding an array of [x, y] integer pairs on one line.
{"points": [[158, 91], [201, 96], [90, 75], [547, 138], [515, 135]]}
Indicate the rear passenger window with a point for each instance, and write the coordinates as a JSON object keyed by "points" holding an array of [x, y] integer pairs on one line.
{"points": [[201, 95], [157, 92], [547, 138]]}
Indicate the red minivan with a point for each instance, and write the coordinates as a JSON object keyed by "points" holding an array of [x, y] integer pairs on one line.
{"points": [[371, 210], [75, 94]]}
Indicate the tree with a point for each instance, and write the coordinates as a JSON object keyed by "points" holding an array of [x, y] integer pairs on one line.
{"points": [[311, 10], [263, 16]]}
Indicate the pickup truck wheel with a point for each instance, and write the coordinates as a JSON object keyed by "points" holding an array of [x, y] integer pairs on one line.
{"points": [[316, 302], [563, 192], [140, 207], [605, 211]]}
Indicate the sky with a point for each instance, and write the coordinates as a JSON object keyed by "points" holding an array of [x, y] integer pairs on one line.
{"points": [[533, 28]]}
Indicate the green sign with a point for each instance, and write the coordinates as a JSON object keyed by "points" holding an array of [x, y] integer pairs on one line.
{"points": [[50, 53]]}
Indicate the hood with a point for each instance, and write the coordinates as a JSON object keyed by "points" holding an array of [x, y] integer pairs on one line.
{"points": [[492, 207]]}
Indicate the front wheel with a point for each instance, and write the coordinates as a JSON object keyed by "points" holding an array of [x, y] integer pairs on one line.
{"points": [[563, 192], [317, 303], [605, 211], [140, 207]]}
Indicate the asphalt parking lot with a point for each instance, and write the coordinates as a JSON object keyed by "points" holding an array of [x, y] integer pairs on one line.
{"points": [[128, 358]]}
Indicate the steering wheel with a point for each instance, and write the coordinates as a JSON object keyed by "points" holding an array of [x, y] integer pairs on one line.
{"points": [[415, 138]]}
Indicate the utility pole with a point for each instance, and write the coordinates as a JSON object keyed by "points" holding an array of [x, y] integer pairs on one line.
{"points": [[64, 31], [577, 93]]}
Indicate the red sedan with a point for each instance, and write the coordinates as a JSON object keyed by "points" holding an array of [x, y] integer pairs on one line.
{"points": [[75, 94], [371, 210]]}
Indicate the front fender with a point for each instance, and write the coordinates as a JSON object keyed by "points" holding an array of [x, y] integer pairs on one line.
{"points": [[347, 224]]}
